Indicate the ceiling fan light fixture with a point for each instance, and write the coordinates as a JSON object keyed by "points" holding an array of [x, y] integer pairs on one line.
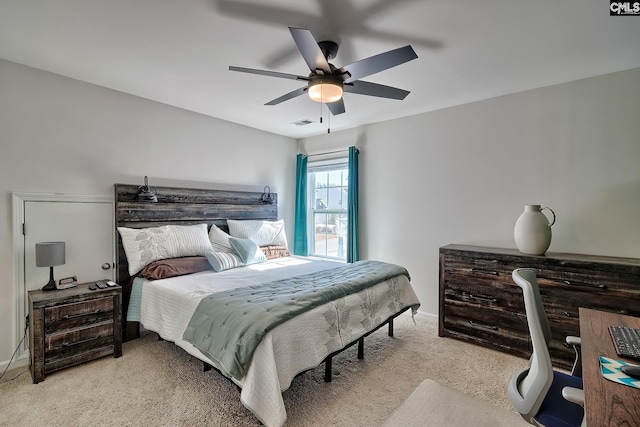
{"points": [[325, 91]]}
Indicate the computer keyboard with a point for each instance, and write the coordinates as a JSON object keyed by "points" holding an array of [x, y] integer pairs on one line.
{"points": [[626, 341]]}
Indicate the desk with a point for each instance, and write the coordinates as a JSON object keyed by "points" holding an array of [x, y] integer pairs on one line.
{"points": [[606, 403]]}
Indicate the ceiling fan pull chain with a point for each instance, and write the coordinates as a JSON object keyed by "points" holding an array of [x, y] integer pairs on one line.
{"points": [[329, 122]]}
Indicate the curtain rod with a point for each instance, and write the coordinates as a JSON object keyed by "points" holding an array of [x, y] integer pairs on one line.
{"points": [[331, 152]]}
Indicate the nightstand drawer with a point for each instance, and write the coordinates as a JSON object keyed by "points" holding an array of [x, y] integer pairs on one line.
{"points": [[68, 316], [78, 340], [54, 364]]}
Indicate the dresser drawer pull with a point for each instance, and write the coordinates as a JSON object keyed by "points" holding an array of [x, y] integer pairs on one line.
{"points": [[483, 298], [586, 285], [70, 344], [477, 270], [73, 316], [567, 314], [480, 325]]}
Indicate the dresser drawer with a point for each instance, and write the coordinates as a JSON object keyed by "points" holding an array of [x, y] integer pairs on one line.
{"points": [[496, 296], [590, 277], [477, 268], [487, 327], [69, 316]]}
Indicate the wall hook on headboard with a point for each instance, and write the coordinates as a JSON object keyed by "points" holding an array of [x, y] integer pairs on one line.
{"points": [[267, 197]]}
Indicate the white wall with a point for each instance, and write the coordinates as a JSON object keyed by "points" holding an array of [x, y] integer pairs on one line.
{"points": [[463, 174], [62, 135], [460, 175]]}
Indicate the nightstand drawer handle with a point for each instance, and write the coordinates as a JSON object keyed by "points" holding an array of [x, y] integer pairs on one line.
{"points": [[586, 285], [483, 298], [479, 325], [67, 344], [73, 316], [476, 270]]}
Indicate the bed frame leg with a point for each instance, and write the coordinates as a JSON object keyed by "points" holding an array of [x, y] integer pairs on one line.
{"points": [[390, 327], [361, 348], [327, 369]]}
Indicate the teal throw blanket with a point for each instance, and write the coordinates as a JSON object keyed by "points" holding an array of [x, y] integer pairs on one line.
{"points": [[228, 326]]}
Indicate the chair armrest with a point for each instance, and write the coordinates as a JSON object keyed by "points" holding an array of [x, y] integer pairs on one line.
{"points": [[573, 395], [573, 341]]}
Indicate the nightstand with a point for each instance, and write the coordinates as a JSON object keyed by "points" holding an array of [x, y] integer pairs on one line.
{"points": [[72, 326]]}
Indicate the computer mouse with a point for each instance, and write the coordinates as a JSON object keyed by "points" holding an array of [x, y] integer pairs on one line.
{"points": [[631, 370]]}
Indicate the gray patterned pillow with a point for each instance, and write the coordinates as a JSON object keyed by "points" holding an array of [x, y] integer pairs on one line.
{"points": [[145, 245]]}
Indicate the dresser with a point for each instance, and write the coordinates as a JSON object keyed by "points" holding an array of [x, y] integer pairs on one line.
{"points": [[72, 326], [480, 303]]}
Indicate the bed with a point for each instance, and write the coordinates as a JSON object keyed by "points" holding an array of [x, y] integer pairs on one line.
{"points": [[299, 341]]}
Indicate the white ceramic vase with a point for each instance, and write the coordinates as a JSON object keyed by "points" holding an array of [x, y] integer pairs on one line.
{"points": [[532, 231]]}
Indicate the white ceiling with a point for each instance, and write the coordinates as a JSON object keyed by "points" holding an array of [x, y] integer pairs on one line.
{"points": [[178, 51]]}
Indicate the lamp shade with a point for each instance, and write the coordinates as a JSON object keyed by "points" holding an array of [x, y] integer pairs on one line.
{"points": [[49, 254]]}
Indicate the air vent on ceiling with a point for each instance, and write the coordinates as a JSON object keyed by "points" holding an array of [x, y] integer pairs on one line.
{"points": [[302, 122]]}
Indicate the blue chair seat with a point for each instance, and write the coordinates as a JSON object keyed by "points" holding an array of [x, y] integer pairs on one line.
{"points": [[557, 412]]}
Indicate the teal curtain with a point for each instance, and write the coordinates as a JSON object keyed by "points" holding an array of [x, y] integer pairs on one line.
{"points": [[300, 246], [352, 207]]}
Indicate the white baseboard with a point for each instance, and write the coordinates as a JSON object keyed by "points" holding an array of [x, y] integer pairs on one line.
{"points": [[431, 316], [17, 363]]}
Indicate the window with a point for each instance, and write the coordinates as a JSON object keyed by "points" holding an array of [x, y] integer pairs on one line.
{"points": [[327, 189]]}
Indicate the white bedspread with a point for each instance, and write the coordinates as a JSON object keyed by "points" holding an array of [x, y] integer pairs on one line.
{"points": [[292, 347]]}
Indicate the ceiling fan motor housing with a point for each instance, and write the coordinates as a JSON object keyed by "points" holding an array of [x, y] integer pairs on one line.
{"points": [[329, 49]]}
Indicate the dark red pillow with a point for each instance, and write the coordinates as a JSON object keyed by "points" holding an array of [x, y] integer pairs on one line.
{"points": [[172, 267]]}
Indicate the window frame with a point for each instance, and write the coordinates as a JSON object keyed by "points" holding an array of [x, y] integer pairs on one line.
{"points": [[337, 164]]}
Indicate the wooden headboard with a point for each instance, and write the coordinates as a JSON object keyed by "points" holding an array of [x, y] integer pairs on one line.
{"points": [[182, 206]]}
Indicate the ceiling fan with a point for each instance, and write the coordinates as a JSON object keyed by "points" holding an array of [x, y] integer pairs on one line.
{"points": [[326, 83]]}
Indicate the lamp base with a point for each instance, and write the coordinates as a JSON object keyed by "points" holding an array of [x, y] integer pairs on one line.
{"points": [[51, 286]]}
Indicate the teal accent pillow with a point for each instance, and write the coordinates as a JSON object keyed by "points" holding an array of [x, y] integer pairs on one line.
{"points": [[221, 261], [248, 250]]}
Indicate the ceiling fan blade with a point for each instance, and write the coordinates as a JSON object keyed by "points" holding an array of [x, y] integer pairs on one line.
{"points": [[287, 96], [375, 64], [336, 107], [311, 52], [268, 73], [374, 89]]}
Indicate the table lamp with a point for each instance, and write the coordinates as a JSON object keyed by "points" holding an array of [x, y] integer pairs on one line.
{"points": [[49, 254]]}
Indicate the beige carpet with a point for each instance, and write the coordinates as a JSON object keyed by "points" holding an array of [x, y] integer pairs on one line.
{"points": [[155, 383]]}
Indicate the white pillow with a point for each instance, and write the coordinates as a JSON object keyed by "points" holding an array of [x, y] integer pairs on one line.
{"points": [[145, 245], [220, 240], [262, 232]]}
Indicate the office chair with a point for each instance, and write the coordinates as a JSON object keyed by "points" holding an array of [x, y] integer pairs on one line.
{"points": [[543, 397]]}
